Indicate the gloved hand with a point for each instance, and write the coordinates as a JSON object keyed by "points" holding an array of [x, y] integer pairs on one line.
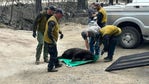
{"points": [[34, 34], [102, 52], [53, 42], [61, 36]]}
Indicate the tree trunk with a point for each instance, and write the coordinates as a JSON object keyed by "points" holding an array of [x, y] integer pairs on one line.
{"points": [[11, 13], [116, 1], [2, 12], [82, 4], [47, 4], [127, 1], [110, 2], [38, 6]]}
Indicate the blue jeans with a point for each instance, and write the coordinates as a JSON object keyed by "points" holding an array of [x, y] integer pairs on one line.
{"points": [[94, 46]]}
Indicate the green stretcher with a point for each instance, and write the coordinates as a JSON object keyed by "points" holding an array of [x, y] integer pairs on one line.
{"points": [[69, 63]]}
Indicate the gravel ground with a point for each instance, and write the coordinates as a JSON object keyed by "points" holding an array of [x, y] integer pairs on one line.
{"points": [[17, 57]]}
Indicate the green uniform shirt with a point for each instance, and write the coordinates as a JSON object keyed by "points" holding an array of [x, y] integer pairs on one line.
{"points": [[40, 22]]}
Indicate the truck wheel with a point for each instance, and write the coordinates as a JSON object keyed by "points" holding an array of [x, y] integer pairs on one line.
{"points": [[130, 38]]}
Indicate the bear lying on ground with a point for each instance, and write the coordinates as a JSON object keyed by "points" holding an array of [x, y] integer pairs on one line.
{"points": [[77, 54]]}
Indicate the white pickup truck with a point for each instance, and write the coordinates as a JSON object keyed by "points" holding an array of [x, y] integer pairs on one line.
{"points": [[133, 19]]}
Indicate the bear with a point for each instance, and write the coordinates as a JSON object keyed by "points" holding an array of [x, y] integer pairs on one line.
{"points": [[77, 54]]}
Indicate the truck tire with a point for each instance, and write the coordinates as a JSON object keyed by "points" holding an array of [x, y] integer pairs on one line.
{"points": [[130, 38]]}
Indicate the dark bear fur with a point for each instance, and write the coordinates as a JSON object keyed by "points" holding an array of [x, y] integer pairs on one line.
{"points": [[77, 54]]}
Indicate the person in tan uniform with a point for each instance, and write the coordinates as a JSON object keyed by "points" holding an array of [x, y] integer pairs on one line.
{"points": [[109, 36], [50, 38], [101, 15]]}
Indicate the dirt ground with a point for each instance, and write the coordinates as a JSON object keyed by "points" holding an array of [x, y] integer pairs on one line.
{"points": [[17, 57]]}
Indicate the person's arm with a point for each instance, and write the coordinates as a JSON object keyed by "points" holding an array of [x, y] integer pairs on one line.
{"points": [[51, 25], [35, 24], [105, 41], [99, 18], [36, 21], [86, 44], [61, 34], [84, 36]]}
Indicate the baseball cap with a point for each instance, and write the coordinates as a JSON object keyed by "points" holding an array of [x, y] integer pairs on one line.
{"points": [[59, 11], [97, 4], [52, 8], [46, 8]]}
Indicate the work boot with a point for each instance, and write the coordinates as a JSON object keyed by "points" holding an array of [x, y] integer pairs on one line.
{"points": [[106, 59], [58, 65], [37, 62], [52, 70], [102, 52], [46, 61]]}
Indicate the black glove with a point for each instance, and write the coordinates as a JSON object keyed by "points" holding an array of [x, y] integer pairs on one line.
{"points": [[53, 42], [102, 52], [61, 36], [34, 34]]}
